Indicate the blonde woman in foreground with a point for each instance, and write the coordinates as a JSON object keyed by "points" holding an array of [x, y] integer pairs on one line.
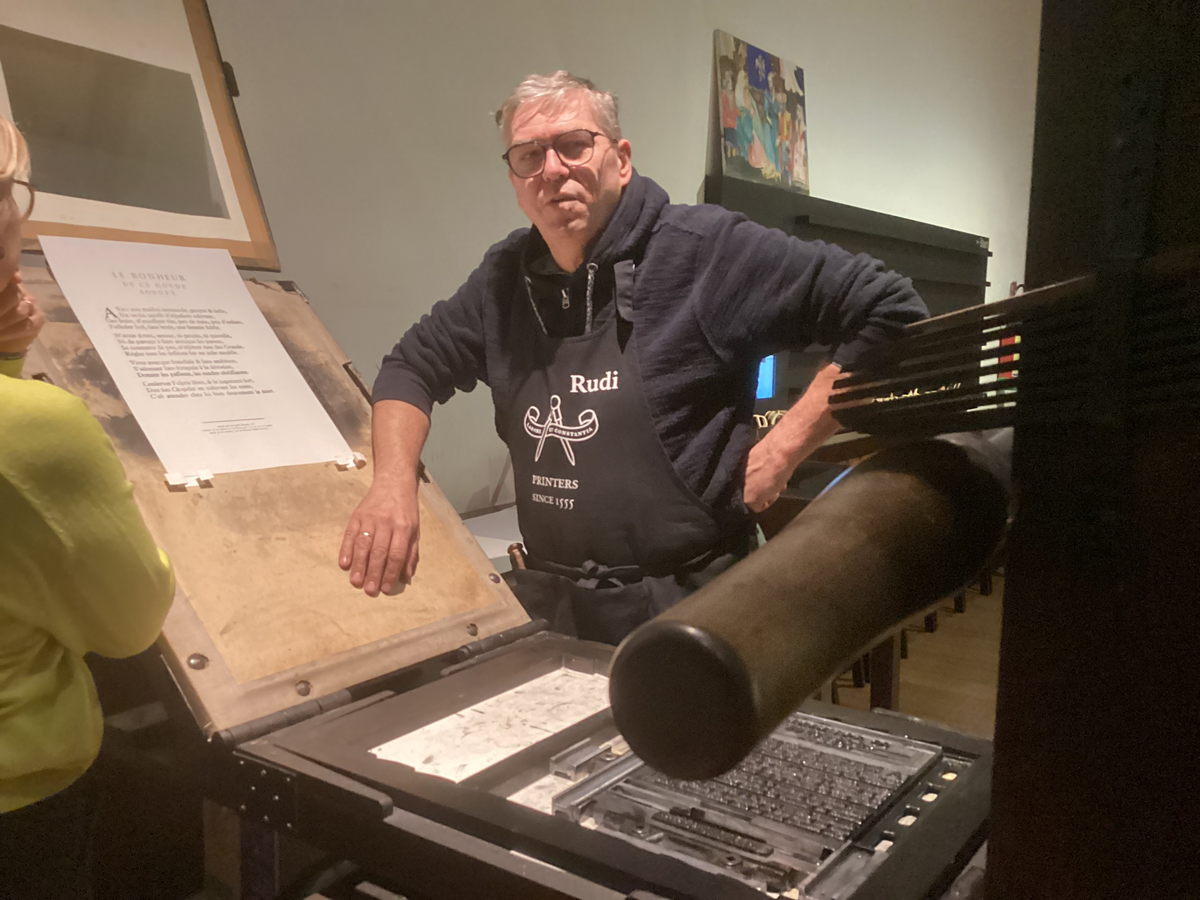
{"points": [[79, 573]]}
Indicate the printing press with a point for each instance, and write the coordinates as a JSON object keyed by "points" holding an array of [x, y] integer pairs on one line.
{"points": [[289, 683], [291, 687]]}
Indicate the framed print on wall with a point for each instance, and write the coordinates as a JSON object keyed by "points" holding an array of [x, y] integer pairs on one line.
{"points": [[131, 129], [763, 124]]}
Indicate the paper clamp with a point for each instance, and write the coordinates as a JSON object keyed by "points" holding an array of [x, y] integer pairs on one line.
{"points": [[355, 461], [177, 482]]}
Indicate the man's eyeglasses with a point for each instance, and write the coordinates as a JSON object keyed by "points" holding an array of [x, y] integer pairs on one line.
{"points": [[573, 148], [23, 193]]}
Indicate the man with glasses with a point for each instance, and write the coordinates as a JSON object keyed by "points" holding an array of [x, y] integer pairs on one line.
{"points": [[620, 337]]}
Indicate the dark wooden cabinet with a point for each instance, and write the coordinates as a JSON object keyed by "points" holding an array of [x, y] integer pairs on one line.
{"points": [[948, 268]]}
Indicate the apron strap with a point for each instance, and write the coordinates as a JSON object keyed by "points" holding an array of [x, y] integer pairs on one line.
{"points": [[594, 575]]}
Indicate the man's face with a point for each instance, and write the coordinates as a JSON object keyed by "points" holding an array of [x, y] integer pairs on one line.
{"points": [[569, 203]]}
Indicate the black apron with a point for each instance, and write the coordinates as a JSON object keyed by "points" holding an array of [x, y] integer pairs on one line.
{"points": [[612, 534]]}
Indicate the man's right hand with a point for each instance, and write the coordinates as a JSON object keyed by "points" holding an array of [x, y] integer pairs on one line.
{"points": [[382, 540]]}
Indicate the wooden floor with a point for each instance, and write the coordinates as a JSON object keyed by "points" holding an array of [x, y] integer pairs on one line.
{"points": [[950, 675]]}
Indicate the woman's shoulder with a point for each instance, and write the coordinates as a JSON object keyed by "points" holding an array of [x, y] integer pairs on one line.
{"points": [[41, 424], [30, 403]]}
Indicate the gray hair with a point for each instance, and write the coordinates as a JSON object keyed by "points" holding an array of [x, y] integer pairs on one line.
{"points": [[555, 90]]}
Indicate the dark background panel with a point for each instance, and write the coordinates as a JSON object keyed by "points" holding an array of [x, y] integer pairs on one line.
{"points": [[1118, 116]]}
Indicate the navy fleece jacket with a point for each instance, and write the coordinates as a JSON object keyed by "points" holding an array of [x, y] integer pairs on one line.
{"points": [[714, 294]]}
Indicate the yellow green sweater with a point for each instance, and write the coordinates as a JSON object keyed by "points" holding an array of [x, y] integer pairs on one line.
{"points": [[79, 572]]}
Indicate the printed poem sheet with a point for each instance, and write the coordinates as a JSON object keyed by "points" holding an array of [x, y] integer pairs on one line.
{"points": [[479, 736], [193, 356]]}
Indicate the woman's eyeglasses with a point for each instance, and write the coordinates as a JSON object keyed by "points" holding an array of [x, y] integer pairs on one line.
{"points": [[23, 194]]}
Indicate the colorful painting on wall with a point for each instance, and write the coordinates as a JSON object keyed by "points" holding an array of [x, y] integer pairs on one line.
{"points": [[764, 134]]}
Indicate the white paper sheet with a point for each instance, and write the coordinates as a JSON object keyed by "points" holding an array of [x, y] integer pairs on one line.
{"points": [[482, 735], [193, 356]]}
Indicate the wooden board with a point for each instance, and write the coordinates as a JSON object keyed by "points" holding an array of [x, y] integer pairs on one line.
{"points": [[260, 594]]}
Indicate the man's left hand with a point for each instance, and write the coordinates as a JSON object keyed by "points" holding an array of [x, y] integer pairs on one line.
{"points": [[767, 473], [802, 430]]}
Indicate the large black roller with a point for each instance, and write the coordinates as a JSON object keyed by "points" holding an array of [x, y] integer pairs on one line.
{"points": [[696, 688]]}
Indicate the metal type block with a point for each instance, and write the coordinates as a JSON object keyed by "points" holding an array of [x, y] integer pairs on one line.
{"points": [[577, 759], [692, 822], [798, 799], [569, 802]]}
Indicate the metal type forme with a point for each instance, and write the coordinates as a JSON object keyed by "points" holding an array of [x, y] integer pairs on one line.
{"points": [[804, 811], [695, 689]]}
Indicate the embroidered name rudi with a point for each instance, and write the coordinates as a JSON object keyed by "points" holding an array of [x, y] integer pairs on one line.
{"points": [[554, 427], [581, 385]]}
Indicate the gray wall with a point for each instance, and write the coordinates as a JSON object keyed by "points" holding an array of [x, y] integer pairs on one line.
{"points": [[369, 125]]}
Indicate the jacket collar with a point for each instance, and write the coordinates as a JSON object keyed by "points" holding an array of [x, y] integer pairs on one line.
{"points": [[624, 237]]}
